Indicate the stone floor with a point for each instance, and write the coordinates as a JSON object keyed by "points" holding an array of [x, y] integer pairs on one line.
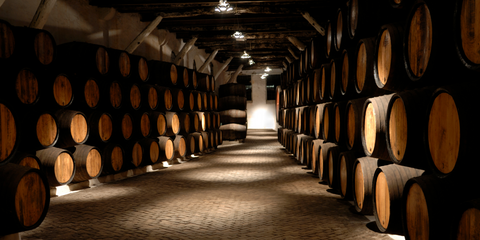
{"points": [[250, 190]]}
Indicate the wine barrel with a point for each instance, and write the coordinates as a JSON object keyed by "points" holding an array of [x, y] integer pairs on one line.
{"points": [[163, 73], [199, 143], [132, 96], [112, 156], [197, 96], [58, 165], [340, 37], [190, 145], [87, 93], [340, 123], [353, 115], [405, 126], [88, 162], [234, 131], [59, 90], [22, 85], [151, 151], [305, 152], [451, 130], [345, 168], [317, 52], [184, 122], [388, 183], [363, 171], [173, 124], [183, 80], [464, 225], [120, 63], [180, 146], [232, 89], [329, 43], [233, 102], [115, 95], [328, 123], [158, 123], [135, 154], [323, 159], [319, 111], [374, 127], [26, 160], [83, 58], [192, 79], [336, 68], [123, 126], [347, 84], [142, 126], [195, 122], [33, 47], [203, 82], [325, 82], [101, 128], [178, 99], [73, 128], [38, 131], [139, 69], [25, 198], [316, 78], [466, 33], [401, 4], [333, 166], [364, 68], [167, 148], [159, 98], [189, 101], [388, 68], [7, 40], [314, 159]]}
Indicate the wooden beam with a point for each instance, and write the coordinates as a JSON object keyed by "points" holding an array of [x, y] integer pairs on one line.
{"points": [[1, 2], [285, 64], [314, 23], [233, 78], [43, 11], [144, 34], [184, 51], [224, 66], [301, 46], [293, 53], [289, 59], [208, 61]]}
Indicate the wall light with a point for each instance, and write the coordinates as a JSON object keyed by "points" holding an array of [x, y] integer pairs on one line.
{"points": [[245, 55], [268, 69], [251, 62], [223, 6], [238, 34]]}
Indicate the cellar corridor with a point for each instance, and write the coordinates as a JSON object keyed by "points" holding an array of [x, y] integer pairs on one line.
{"points": [[250, 190]]}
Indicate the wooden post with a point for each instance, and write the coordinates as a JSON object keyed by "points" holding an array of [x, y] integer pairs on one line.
{"points": [[289, 59], [225, 65], [233, 78], [293, 53], [43, 11], [208, 61], [297, 43], [144, 34], [184, 50], [314, 23]]}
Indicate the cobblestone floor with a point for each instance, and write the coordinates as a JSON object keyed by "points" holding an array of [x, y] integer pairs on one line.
{"points": [[251, 190]]}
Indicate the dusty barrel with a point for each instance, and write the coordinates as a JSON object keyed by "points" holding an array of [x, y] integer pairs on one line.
{"points": [[388, 183], [234, 131], [25, 198], [112, 156], [101, 127], [364, 68], [363, 171], [158, 98], [73, 128], [120, 63], [180, 146], [83, 58], [466, 33], [163, 73], [139, 68], [58, 165], [374, 127], [151, 151], [388, 68], [327, 149], [404, 130], [173, 123], [451, 131], [39, 131], [32, 47], [88, 162], [345, 168]]}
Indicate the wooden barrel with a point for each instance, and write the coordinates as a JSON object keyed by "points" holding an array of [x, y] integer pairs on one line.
{"points": [[466, 33], [133, 96], [184, 122], [401, 4], [59, 90], [158, 98], [345, 168], [86, 91], [197, 97], [180, 146], [314, 159], [139, 68], [167, 148], [199, 142], [464, 222], [192, 79], [25, 198], [163, 73], [317, 52], [234, 131], [189, 101], [326, 81], [336, 68], [142, 126], [233, 102], [364, 68], [120, 63], [347, 84], [113, 157], [7, 40], [388, 68], [83, 58], [27, 160], [123, 126], [115, 95], [341, 38], [305, 152], [340, 123], [232, 89], [173, 124], [151, 151], [405, 127], [178, 99], [32, 47], [332, 162], [190, 145], [388, 183], [451, 122], [323, 161], [316, 78], [73, 128], [195, 122], [135, 154], [39, 130], [58, 165], [363, 171], [318, 120], [328, 123], [329, 43], [88, 162], [203, 82], [22, 85], [101, 127], [158, 123], [183, 80], [353, 119], [374, 127]]}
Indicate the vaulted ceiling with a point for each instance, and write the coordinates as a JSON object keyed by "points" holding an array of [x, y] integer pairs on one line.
{"points": [[266, 25]]}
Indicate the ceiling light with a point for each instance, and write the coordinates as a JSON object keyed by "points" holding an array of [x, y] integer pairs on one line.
{"points": [[264, 76], [238, 34], [251, 62], [245, 55], [268, 69], [223, 6]]}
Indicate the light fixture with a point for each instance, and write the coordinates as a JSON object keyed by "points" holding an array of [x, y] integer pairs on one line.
{"points": [[251, 62], [223, 6], [264, 76], [238, 35], [268, 69], [245, 55]]}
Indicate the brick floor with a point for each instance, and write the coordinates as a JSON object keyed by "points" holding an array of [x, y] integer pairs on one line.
{"points": [[251, 190]]}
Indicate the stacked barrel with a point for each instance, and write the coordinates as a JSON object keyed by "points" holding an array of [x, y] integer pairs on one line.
{"points": [[382, 112], [233, 115], [75, 111]]}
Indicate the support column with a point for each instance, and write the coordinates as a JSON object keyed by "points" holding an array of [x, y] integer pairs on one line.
{"points": [[314, 23], [144, 34], [181, 55], [43, 11], [297, 43], [224, 66], [233, 78], [293, 53], [208, 61]]}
